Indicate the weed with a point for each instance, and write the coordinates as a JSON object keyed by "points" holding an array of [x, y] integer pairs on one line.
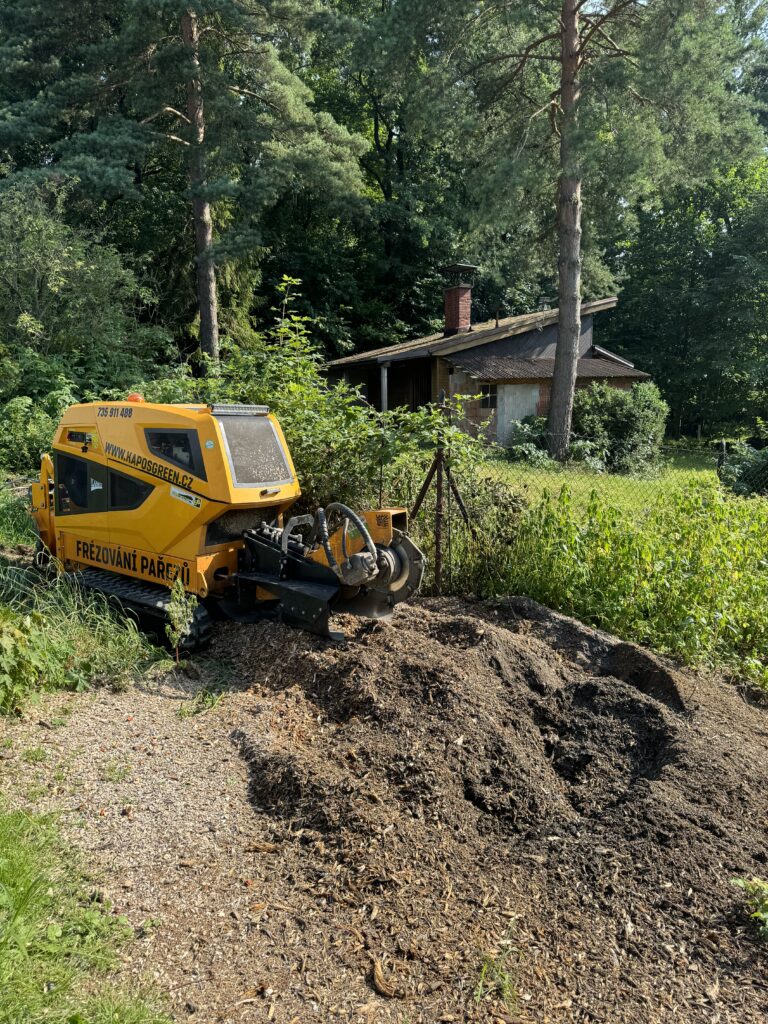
{"points": [[497, 975], [204, 700], [116, 771], [15, 523], [756, 891], [35, 755], [181, 612], [52, 937]]}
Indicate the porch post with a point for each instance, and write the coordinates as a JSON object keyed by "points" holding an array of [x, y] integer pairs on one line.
{"points": [[384, 383]]}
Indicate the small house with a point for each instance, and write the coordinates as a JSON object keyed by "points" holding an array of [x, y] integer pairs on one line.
{"points": [[507, 364]]}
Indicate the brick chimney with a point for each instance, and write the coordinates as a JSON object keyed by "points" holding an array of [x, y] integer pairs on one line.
{"points": [[458, 299]]}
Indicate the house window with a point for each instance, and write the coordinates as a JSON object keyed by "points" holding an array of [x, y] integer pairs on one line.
{"points": [[488, 396]]}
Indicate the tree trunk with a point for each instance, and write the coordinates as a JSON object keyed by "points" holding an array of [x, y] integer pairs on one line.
{"points": [[201, 209], [569, 239]]}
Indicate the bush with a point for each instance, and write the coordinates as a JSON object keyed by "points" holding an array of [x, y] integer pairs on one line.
{"points": [[627, 427], [745, 470], [27, 433], [20, 661], [16, 526], [689, 578], [69, 306]]}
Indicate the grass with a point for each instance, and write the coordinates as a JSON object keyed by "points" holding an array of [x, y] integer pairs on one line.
{"points": [[630, 494], [56, 943], [35, 755], [498, 976], [116, 771], [57, 636], [15, 524]]}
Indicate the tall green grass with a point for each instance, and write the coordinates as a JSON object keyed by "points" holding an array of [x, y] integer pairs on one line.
{"points": [[55, 636], [689, 577], [15, 522], [56, 943]]}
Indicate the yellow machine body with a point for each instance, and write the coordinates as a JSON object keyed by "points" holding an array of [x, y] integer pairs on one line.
{"points": [[155, 492]]}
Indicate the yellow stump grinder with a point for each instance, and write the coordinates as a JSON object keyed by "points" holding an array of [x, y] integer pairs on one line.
{"points": [[137, 495]]}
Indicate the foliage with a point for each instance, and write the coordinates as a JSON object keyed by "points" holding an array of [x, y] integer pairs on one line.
{"points": [[694, 303], [53, 937], [687, 578], [16, 526], [20, 661], [342, 449], [530, 452], [54, 636], [68, 308], [626, 427], [745, 470], [181, 614], [756, 892]]}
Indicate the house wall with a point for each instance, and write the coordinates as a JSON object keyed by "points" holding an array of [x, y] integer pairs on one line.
{"points": [[515, 401]]}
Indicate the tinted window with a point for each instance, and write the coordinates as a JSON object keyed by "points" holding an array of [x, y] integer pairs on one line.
{"points": [[255, 454], [179, 447], [125, 492], [80, 486]]}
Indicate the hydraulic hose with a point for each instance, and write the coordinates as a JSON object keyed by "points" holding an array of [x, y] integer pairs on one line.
{"points": [[350, 516]]}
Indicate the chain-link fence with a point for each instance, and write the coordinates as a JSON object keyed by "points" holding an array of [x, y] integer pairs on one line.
{"points": [[532, 474]]}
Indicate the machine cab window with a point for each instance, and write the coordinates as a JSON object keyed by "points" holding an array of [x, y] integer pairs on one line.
{"points": [[81, 486], [179, 447]]}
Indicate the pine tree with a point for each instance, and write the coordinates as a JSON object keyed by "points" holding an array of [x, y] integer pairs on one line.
{"points": [[616, 96], [138, 81]]}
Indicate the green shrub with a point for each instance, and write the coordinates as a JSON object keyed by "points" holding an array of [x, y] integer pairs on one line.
{"points": [[20, 662], [53, 937], [689, 578], [627, 426], [27, 433], [756, 891], [745, 470]]}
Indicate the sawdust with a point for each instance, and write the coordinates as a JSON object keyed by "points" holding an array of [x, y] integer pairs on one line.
{"points": [[353, 831]]}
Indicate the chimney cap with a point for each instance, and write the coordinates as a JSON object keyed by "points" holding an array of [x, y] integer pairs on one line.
{"points": [[459, 270]]}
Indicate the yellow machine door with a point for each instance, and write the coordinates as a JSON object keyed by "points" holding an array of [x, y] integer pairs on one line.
{"points": [[80, 497]]}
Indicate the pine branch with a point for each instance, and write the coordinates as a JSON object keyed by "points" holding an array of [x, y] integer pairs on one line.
{"points": [[599, 22], [166, 110], [257, 96]]}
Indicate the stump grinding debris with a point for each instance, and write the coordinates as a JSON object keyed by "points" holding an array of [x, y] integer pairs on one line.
{"points": [[472, 813]]}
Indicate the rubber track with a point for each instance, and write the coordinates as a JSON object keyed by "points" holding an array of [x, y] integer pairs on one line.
{"points": [[146, 599]]}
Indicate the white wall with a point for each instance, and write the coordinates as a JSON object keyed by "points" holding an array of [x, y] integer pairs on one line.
{"points": [[515, 401]]}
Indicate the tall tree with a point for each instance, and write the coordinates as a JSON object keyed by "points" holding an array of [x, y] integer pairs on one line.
{"points": [[216, 79], [206, 275], [694, 307], [601, 99]]}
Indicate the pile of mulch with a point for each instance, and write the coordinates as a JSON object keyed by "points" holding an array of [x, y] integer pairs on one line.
{"points": [[471, 813]]}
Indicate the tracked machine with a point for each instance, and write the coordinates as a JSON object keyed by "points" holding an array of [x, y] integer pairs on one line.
{"points": [[137, 495]]}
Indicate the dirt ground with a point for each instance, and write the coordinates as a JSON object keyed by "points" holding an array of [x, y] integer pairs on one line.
{"points": [[473, 813]]}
